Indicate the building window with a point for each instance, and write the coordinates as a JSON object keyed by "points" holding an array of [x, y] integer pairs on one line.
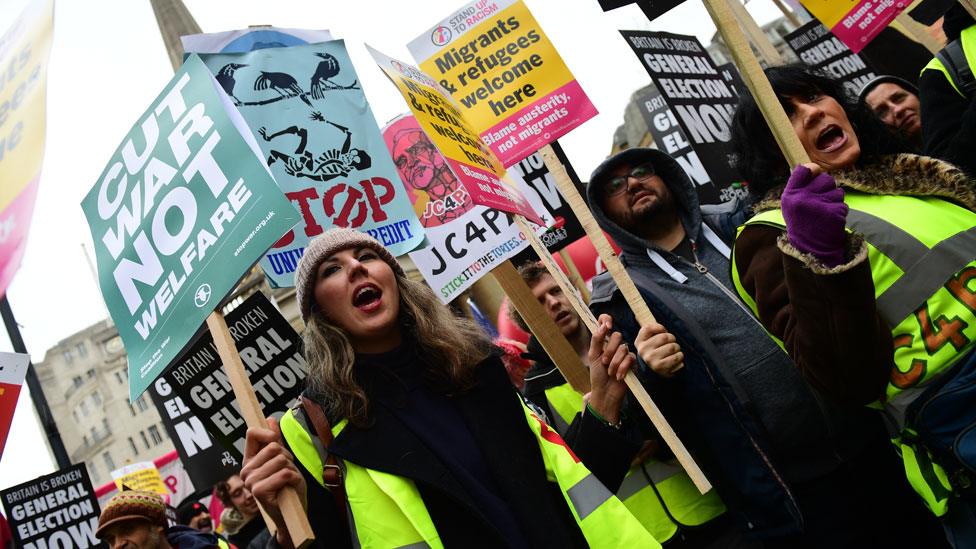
{"points": [[131, 409], [154, 435], [84, 407], [132, 444], [118, 377], [67, 356], [76, 382], [145, 441], [74, 413], [109, 464], [105, 425], [97, 398], [85, 439], [90, 373], [141, 404], [82, 350]]}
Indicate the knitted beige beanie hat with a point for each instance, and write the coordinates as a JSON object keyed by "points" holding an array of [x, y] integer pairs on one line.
{"points": [[324, 245]]}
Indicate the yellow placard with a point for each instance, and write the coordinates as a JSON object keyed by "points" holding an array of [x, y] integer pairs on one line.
{"points": [[24, 54], [140, 476]]}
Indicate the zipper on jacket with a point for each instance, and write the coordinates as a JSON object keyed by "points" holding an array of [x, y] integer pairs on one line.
{"points": [[701, 268]]}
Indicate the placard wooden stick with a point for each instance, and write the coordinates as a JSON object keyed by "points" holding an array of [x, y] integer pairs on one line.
{"points": [[289, 503], [574, 274], [756, 35], [561, 352], [789, 15], [970, 6], [756, 81], [916, 31]]}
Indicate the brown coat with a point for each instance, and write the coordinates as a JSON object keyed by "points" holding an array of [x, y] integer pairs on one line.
{"points": [[826, 317]]}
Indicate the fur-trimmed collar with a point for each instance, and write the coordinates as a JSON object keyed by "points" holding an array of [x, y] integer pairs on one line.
{"points": [[901, 174]]}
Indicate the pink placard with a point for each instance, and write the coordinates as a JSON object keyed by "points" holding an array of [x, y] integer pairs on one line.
{"points": [[14, 223], [552, 116]]}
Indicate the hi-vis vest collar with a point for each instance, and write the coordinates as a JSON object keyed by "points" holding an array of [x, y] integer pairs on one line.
{"points": [[922, 252], [387, 511]]}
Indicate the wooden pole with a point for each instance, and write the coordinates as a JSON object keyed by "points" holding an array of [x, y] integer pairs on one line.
{"points": [[916, 31], [788, 14], [756, 81], [563, 354], [641, 312], [574, 275], [970, 6], [288, 501], [756, 35]]}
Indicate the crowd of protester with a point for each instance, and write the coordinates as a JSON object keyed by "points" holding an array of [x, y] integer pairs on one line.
{"points": [[812, 349]]}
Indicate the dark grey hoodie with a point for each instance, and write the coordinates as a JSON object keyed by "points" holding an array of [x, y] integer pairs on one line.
{"points": [[808, 436]]}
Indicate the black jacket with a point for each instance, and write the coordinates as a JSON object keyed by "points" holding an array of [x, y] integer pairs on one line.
{"points": [[948, 119], [511, 452]]}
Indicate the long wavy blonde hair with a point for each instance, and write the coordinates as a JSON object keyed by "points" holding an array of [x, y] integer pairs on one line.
{"points": [[451, 347]]}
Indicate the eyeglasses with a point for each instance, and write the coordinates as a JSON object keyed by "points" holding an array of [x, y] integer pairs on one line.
{"points": [[618, 185]]}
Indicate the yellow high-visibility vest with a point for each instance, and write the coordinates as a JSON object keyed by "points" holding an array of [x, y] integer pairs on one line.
{"points": [[387, 510], [922, 252], [668, 481]]}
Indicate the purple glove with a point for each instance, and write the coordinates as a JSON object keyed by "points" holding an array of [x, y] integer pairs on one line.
{"points": [[815, 213]]}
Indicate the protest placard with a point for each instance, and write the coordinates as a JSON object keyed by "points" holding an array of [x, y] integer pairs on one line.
{"points": [[178, 484], [142, 475], [24, 52], [505, 75], [205, 461], [53, 511], [475, 167], [701, 100], [855, 22], [669, 137], [250, 39], [184, 208], [814, 44], [199, 392], [322, 145], [13, 368], [465, 240]]}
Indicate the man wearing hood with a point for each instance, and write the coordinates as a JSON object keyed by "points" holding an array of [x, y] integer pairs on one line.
{"points": [[787, 463]]}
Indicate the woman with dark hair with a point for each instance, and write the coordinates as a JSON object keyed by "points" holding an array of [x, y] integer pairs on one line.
{"points": [[860, 264], [432, 444]]}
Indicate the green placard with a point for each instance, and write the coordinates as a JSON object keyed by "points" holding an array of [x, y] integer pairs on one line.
{"points": [[184, 208]]}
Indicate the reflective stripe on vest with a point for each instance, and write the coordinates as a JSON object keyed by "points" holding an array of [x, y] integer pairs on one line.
{"points": [[968, 39], [922, 252], [387, 510], [685, 503]]}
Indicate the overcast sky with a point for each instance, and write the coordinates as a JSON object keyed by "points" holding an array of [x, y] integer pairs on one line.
{"points": [[108, 63]]}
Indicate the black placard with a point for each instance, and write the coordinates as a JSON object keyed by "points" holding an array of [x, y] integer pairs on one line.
{"points": [[56, 510], [198, 394], [816, 46], [702, 102]]}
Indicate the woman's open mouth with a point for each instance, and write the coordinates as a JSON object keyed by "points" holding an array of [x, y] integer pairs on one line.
{"points": [[831, 138], [367, 298]]}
